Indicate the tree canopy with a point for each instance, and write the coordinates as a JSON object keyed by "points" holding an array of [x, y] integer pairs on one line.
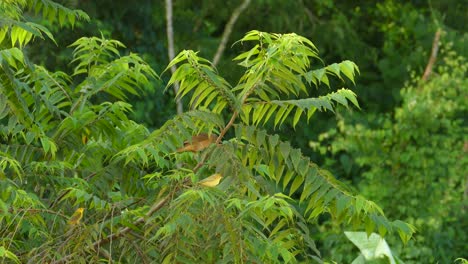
{"points": [[96, 166]]}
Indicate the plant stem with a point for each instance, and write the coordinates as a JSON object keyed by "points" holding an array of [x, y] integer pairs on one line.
{"points": [[226, 128]]}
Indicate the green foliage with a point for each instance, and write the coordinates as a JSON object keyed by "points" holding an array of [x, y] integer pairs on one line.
{"points": [[67, 142], [197, 74], [8, 255], [116, 78], [21, 32], [418, 157]]}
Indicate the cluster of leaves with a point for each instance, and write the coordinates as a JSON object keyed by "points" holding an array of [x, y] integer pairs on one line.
{"points": [[19, 31], [56, 138], [417, 156], [66, 142]]}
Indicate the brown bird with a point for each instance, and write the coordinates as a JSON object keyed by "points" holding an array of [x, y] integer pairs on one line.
{"points": [[198, 143]]}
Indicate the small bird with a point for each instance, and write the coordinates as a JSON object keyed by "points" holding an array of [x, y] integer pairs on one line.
{"points": [[76, 217], [198, 143], [211, 181]]}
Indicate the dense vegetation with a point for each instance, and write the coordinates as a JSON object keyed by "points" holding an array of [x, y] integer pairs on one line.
{"points": [[87, 129], [422, 145]]}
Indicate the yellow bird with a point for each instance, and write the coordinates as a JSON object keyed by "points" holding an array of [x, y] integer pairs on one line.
{"points": [[211, 181], [76, 217]]}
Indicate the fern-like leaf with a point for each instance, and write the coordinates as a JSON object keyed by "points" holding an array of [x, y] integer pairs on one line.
{"points": [[106, 71], [258, 112], [197, 75], [318, 191]]}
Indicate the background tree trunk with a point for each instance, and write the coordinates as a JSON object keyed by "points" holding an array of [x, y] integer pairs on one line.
{"points": [[170, 48]]}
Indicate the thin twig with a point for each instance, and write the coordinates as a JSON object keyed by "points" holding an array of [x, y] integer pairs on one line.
{"points": [[227, 31], [235, 114], [139, 252], [312, 18], [226, 128], [433, 57], [171, 52], [121, 232], [140, 220]]}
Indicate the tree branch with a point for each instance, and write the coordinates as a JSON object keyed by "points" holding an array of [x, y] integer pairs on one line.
{"points": [[171, 53], [310, 15], [432, 58], [228, 30], [235, 114], [226, 128]]}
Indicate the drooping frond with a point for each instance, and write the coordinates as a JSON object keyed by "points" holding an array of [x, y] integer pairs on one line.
{"points": [[318, 191], [11, 57], [32, 105], [346, 68], [22, 153], [106, 71], [22, 32], [93, 121], [51, 90], [36, 97], [10, 164], [53, 12], [198, 76], [262, 111]]}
